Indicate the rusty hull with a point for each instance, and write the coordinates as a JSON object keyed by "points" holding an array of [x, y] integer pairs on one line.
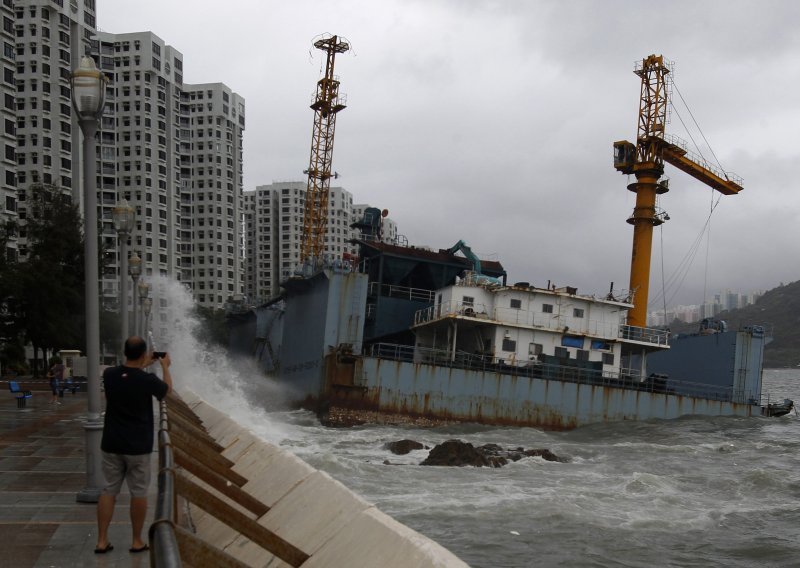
{"points": [[368, 389]]}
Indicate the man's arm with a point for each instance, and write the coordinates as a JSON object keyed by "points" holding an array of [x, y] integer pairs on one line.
{"points": [[165, 374]]}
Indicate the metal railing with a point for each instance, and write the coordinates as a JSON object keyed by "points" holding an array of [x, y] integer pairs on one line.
{"points": [[164, 551], [627, 379], [402, 292]]}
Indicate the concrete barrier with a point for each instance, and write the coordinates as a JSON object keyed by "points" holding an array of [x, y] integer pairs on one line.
{"points": [[308, 509]]}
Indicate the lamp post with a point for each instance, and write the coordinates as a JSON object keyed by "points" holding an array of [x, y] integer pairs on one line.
{"points": [[134, 269], [147, 305], [88, 92], [144, 292], [124, 217]]}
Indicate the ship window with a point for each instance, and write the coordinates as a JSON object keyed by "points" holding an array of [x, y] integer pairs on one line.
{"points": [[516, 304], [608, 358], [572, 341], [600, 345], [562, 353], [468, 301], [577, 312], [582, 355], [534, 349], [509, 345], [547, 308]]}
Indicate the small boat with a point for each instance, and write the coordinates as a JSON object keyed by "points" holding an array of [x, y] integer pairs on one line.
{"points": [[778, 408]]}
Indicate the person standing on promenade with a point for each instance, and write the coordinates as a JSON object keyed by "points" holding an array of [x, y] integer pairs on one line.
{"points": [[56, 375], [128, 437]]}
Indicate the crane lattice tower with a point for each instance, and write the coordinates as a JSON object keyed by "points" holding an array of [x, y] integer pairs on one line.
{"points": [[327, 104]]}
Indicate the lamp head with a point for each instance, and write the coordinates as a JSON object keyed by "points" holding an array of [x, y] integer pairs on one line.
{"points": [[88, 89], [144, 289], [134, 265], [124, 217]]}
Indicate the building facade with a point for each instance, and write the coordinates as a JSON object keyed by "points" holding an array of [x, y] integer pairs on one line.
{"points": [[213, 263], [274, 230], [50, 37]]}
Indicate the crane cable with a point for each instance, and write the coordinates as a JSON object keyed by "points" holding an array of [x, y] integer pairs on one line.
{"points": [[700, 130], [679, 275], [683, 267]]}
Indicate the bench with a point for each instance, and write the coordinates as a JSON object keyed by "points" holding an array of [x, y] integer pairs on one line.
{"points": [[21, 395], [68, 385]]}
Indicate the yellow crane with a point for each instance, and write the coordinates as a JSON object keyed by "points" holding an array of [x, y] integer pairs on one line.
{"points": [[645, 160], [326, 105]]}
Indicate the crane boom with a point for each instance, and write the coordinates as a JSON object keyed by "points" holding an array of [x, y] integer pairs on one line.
{"points": [[326, 105], [645, 160], [675, 155]]}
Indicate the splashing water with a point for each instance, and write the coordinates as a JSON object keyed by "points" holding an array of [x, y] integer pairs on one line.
{"points": [[235, 386]]}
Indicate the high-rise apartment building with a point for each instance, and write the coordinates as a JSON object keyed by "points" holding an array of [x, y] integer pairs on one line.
{"points": [[8, 135], [50, 38], [216, 254], [141, 150], [174, 151], [274, 229]]}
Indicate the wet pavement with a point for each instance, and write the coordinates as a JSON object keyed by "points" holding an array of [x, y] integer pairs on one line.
{"points": [[42, 469]]}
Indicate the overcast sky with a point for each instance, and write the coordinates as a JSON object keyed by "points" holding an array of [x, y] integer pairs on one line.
{"points": [[493, 122]]}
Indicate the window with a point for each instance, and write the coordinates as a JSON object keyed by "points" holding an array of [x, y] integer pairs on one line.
{"points": [[572, 341], [582, 355], [534, 350], [562, 353], [516, 303], [577, 312], [547, 308], [509, 345], [608, 358], [468, 301]]}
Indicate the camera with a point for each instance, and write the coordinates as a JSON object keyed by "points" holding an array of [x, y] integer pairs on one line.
{"points": [[159, 354]]}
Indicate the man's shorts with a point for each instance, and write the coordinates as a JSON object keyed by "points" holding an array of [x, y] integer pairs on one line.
{"points": [[135, 470]]}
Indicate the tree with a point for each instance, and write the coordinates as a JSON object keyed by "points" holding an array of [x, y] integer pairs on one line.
{"points": [[46, 298]]}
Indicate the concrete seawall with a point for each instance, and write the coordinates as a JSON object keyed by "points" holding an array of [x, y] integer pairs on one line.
{"points": [[307, 508]]}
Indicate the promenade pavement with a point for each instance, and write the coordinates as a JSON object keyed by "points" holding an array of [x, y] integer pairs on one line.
{"points": [[42, 469]]}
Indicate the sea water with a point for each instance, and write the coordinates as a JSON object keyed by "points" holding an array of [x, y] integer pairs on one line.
{"points": [[691, 492]]}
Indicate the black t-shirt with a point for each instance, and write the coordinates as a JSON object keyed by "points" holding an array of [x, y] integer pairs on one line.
{"points": [[128, 427]]}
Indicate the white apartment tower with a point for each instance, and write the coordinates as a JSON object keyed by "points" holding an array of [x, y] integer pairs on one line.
{"points": [[50, 38], [8, 90], [274, 229], [140, 150], [174, 151], [215, 258]]}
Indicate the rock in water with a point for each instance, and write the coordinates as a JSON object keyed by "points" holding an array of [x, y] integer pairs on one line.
{"points": [[402, 447], [456, 452], [459, 453]]}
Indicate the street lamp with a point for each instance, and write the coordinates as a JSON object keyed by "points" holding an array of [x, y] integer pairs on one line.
{"points": [[124, 217], [144, 292], [88, 92], [134, 269], [147, 305]]}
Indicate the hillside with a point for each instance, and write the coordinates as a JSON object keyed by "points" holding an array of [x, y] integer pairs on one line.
{"points": [[779, 312]]}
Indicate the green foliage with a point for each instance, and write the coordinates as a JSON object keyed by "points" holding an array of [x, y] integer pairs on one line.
{"points": [[42, 297], [779, 312]]}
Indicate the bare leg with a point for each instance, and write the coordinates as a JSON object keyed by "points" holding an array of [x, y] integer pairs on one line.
{"points": [[138, 514], [105, 510]]}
